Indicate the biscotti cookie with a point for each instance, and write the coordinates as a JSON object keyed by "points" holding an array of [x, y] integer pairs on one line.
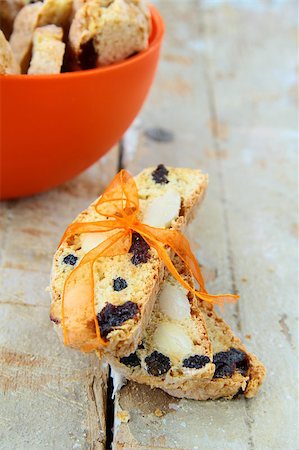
{"points": [[48, 50], [21, 38], [8, 64], [237, 371], [106, 31], [55, 12], [234, 369], [126, 286], [29, 18], [8, 11], [175, 346]]}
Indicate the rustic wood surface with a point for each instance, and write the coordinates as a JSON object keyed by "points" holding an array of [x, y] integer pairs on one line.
{"points": [[226, 89], [226, 95], [50, 397]]}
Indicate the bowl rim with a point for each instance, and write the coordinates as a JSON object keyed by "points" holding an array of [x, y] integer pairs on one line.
{"points": [[155, 41]]}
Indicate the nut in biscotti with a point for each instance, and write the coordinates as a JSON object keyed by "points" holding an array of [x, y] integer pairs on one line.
{"points": [[161, 211]]}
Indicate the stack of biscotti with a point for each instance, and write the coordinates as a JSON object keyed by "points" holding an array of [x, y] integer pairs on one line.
{"points": [[28, 31], [50, 36], [156, 332], [126, 286]]}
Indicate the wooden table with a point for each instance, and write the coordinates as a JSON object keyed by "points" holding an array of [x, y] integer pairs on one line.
{"points": [[226, 95]]}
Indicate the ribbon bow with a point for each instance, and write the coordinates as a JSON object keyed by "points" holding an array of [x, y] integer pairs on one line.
{"points": [[119, 204]]}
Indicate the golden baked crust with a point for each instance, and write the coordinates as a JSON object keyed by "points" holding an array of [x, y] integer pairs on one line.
{"points": [[48, 50], [222, 339], [143, 279]]}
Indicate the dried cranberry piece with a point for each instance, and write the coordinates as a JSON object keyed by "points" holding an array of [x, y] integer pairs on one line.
{"points": [[70, 259], [159, 174], [196, 361], [140, 249], [132, 360], [119, 284], [157, 363], [227, 362], [112, 316]]}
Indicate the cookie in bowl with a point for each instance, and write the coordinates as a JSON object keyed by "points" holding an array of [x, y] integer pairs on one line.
{"points": [[8, 63], [32, 16], [106, 31], [48, 50]]}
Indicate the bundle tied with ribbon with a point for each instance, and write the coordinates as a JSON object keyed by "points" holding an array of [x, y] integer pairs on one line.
{"points": [[119, 204]]}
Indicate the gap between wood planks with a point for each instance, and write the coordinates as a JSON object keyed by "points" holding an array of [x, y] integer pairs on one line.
{"points": [[110, 410], [217, 149], [110, 406]]}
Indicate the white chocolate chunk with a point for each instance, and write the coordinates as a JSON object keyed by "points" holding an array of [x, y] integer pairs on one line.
{"points": [[174, 302], [91, 240], [171, 340], [163, 210]]}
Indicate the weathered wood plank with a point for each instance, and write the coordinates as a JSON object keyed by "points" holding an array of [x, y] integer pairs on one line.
{"points": [[226, 91], [227, 94], [259, 179], [51, 397]]}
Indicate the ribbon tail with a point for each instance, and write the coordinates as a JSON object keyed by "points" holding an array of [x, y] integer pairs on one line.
{"points": [[158, 238], [78, 310], [79, 320], [163, 255], [89, 227]]}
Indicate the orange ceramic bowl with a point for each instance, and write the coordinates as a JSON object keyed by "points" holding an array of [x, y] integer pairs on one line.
{"points": [[55, 126]]}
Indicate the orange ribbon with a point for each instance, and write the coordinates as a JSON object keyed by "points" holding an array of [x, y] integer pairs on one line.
{"points": [[120, 205]]}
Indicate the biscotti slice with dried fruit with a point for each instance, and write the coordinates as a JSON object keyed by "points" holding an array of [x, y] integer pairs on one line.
{"points": [[29, 18], [48, 50], [175, 347], [106, 31], [8, 64], [126, 286], [237, 371]]}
